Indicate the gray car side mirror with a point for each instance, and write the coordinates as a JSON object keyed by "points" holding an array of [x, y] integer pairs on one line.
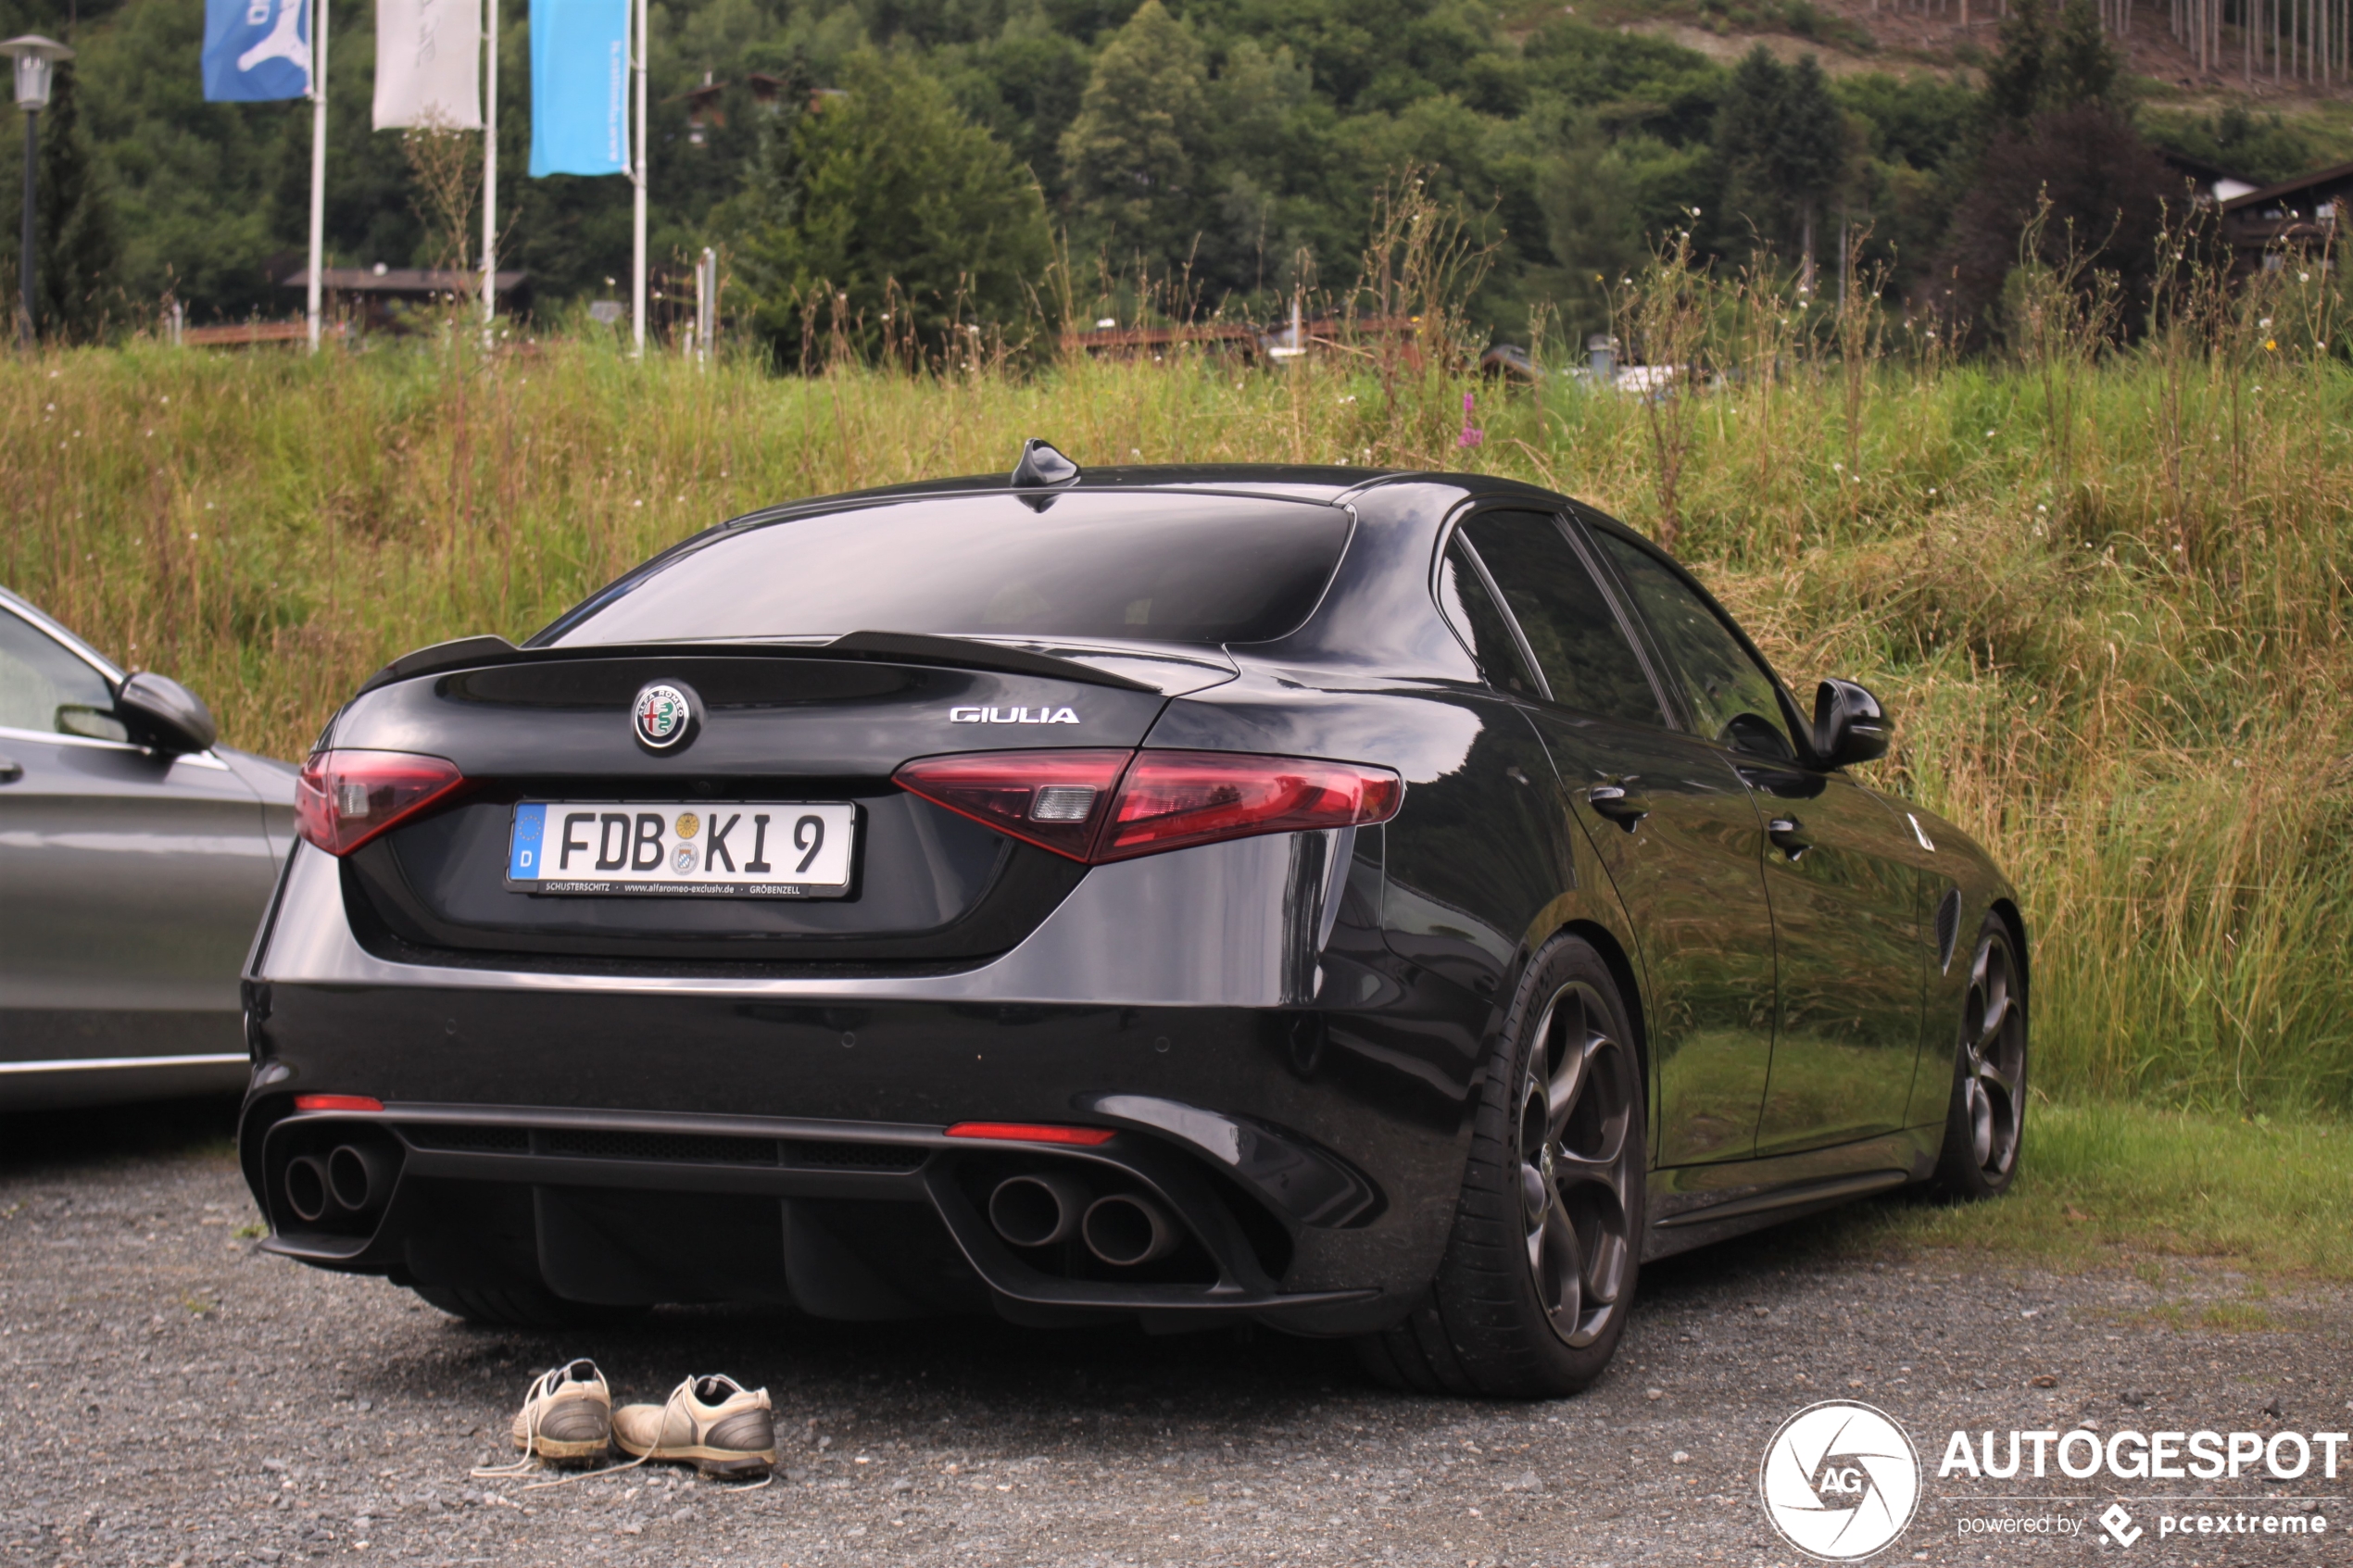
{"points": [[1849, 725], [165, 716]]}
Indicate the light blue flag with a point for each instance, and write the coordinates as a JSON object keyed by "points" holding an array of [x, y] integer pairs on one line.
{"points": [[579, 87], [256, 50]]}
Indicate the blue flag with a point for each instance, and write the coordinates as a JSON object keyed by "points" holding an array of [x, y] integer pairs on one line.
{"points": [[579, 87], [256, 50]]}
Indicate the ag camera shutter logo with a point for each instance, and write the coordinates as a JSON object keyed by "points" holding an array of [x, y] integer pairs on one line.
{"points": [[1839, 1480]]}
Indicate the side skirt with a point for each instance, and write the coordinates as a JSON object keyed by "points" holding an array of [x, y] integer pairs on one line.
{"points": [[1694, 1205]]}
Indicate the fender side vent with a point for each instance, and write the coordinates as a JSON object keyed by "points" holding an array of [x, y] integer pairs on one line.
{"points": [[1948, 927]]}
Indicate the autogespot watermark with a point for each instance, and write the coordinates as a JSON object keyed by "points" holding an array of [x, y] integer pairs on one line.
{"points": [[2146, 1456], [1842, 1480]]}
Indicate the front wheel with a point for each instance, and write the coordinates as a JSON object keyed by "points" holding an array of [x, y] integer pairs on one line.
{"points": [[1538, 1274], [1985, 1122]]}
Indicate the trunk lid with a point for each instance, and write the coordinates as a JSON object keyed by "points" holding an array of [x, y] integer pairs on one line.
{"points": [[927, 887]]}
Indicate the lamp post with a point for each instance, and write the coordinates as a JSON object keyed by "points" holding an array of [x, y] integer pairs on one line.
{"points": [[35, 55]]}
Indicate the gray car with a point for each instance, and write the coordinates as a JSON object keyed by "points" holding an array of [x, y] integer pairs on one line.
{"points": [[136, 857]]}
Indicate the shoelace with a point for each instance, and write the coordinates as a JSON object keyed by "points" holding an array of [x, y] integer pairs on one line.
{"points": [[535, 1401]]}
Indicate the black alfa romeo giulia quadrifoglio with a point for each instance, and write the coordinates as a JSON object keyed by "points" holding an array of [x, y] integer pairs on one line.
{"points": [[1390, 905]]}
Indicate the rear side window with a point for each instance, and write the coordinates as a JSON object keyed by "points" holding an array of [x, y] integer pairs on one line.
{"points": [[1202, 570], [1732, 697], [1569, 625], [45, 687], [1463, 597]]}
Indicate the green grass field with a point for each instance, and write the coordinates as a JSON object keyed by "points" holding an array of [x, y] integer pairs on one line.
{"points": [[2104, 595], [2106, 1184]]}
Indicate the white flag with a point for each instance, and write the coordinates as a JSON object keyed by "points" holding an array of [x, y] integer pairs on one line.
{"points": [[429, 64]]}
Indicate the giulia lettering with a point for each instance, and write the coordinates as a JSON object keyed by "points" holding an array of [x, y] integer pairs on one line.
{"points": [[1013, 716], [715, 847], [572, 821], [758, 864]]}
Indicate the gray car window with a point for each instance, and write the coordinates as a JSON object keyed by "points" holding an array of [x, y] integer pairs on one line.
{"points": [[1732, 697], [44, 686], [1570, 626], [1463, 596]]}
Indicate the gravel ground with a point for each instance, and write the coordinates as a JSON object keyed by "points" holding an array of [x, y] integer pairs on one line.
{"points": [[179, 1398]]}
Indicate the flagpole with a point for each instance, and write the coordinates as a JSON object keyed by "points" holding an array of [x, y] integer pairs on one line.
{"points": [[637, 305], [317, 158], [490, 171]]}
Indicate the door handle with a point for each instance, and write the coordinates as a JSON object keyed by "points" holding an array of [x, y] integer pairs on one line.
{"points": [[1784, 832], [10, 770], [1624, 806]]}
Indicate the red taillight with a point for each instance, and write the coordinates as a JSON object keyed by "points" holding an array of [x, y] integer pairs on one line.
{"points": [[1173, 799], [1031, 1132], [345, 798], [1097, 806], [338, 1102], [1054, 799]]}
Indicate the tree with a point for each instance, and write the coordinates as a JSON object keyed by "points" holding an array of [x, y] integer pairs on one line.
{"points": [[1132, 154], [2044, 67], [2083, 64], [2014, 81], [1811, 146], [2106, 191], [895, 188], [1783, 144]]}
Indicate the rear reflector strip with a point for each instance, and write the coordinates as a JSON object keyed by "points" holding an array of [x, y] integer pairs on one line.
{"points": [[338, 1102], [1031, 1132]]}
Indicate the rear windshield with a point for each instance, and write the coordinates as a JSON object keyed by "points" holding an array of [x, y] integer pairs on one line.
{"points": [[1122, 566]]}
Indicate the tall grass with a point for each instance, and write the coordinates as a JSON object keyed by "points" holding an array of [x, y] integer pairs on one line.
{"points": [[2103, 592]]}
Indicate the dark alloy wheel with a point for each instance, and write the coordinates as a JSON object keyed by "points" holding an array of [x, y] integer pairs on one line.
{"points": [[1577, 1100], [1539, 1275], [1986, 1122]]}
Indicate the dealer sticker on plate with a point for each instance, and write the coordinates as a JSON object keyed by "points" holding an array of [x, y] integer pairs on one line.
{"points": [[790, 849]]}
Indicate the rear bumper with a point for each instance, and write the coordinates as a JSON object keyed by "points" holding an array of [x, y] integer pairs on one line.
{"points": [[623, 1138]]}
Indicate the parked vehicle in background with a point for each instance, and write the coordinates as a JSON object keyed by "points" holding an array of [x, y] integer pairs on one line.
{"points": [[1390, 905], [136, 856]]}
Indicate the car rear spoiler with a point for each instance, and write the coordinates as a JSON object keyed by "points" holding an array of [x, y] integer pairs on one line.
{"points": [[887, 647]]}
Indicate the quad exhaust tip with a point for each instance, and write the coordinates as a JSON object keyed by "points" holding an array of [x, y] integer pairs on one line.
{"points": [[358, 1178], [1038, 1211], [307, 1192], [1125, 1230], [349, 1181]]}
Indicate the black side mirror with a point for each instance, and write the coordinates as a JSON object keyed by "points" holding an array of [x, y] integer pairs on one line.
{"points": [[1849, 725], [162, 714]]}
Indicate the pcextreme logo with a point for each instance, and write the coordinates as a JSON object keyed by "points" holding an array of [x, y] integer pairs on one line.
{"points": [[1839, 1480]]}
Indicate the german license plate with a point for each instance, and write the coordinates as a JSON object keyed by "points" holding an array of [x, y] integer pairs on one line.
{"points": [[774, 849]]}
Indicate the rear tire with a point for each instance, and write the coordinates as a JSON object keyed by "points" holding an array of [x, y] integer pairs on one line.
{"points": [[1539, 1275], [1985, 1119], [522, 1307]]}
